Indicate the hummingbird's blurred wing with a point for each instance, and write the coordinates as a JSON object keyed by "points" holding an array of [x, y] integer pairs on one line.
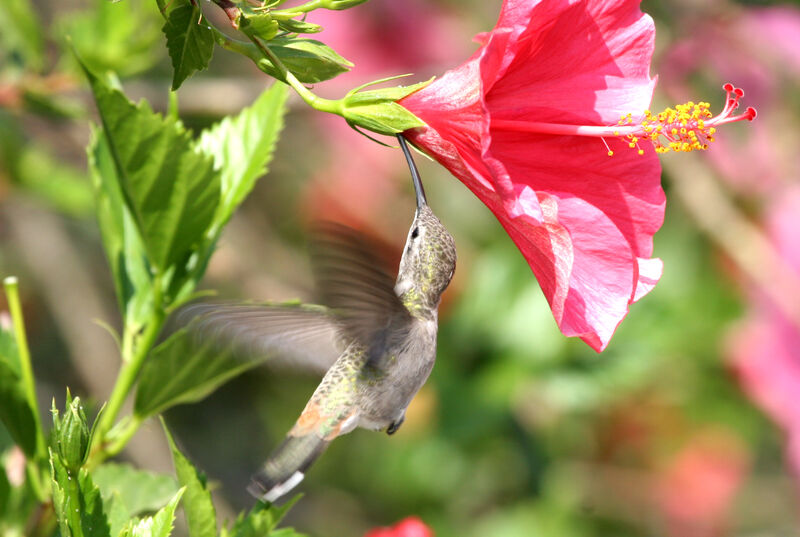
{"points": [[352, 282], [298, 336]]}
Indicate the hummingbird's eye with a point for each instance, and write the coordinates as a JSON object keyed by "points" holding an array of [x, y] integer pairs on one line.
{"points": [[415, 233]]}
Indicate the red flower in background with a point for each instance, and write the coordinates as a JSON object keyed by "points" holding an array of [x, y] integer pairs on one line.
{"points": [[530, 123], [408, 527]]}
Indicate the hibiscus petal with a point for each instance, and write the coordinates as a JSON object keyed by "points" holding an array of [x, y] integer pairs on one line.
{"points": [[587, 62], [583, 220]]}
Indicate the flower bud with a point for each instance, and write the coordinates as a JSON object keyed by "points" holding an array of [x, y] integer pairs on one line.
{"points": [[72, 435], [378, 111]]}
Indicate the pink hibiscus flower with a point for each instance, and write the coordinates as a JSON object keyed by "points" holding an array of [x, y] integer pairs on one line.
{"points": [[766, 350], [408, 527], [529, 124]]}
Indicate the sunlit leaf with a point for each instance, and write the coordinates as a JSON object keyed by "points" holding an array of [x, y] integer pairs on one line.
{"points": [[139, 491], [118, 515], [261, 521], [171, 190], [309, 60], [180, 371], [121, 239], [158, 525], [200, 514], [242, 147], [189, 41]]}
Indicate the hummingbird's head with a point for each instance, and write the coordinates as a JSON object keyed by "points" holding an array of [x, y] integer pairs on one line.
{"points": [[428, 263], [429, 258]]}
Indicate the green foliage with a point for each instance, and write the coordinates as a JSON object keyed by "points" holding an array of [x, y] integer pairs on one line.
{"points": [[31, 167], [309, 60], [242, 147], [121, 239], [261, 521], [70, 435], [181, 371], [138, 491], [159, 525], [378, 111], [173, 194], [201, 516], [189, 40], [16, 413], [122, 37], [21, 39], [77, 502], [299, 27], [257, 23]]}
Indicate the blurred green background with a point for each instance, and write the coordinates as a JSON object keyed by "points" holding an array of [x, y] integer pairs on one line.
{"points": [[520, 431]]}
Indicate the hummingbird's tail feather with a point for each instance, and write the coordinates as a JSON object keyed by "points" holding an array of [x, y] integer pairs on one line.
{"points": [[286, 466]]}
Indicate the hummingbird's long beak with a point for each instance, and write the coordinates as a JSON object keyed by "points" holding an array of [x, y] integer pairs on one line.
{"points": [[418, 189]]}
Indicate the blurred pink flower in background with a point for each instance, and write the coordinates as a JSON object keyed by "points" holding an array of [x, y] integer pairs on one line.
{"points": [[760, 49], [583, 220], [766, 349], [408, 527], [695, 490]]}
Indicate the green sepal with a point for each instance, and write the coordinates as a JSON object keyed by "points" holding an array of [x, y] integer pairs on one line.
{"points": [[378, 111], [71, 434]]}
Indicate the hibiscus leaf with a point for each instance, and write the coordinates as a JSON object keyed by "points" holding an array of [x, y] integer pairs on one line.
{"points": [[118, 515], [139, 491], [242, 147], [299, 27], [261, 520], [121, 239], [180, 371], [158, 525], [189, 40], [171, 190], [15, 412], [309, 60], [200, 514], [77, 502]]}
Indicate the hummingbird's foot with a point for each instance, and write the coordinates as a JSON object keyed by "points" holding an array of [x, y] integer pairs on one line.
{"points": [[392, 428]]}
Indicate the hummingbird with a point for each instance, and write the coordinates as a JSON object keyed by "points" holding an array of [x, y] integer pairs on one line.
{"points": [[379, 332]]}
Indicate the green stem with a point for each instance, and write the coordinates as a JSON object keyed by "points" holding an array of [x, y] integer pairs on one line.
{"points": [[315, 102], [75, 508], [26, 371], [297, 10], [122, 439], [258, 51], [134, 351]]}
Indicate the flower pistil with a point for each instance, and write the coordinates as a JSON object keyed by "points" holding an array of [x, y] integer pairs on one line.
{"points": [[686, 127]]}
